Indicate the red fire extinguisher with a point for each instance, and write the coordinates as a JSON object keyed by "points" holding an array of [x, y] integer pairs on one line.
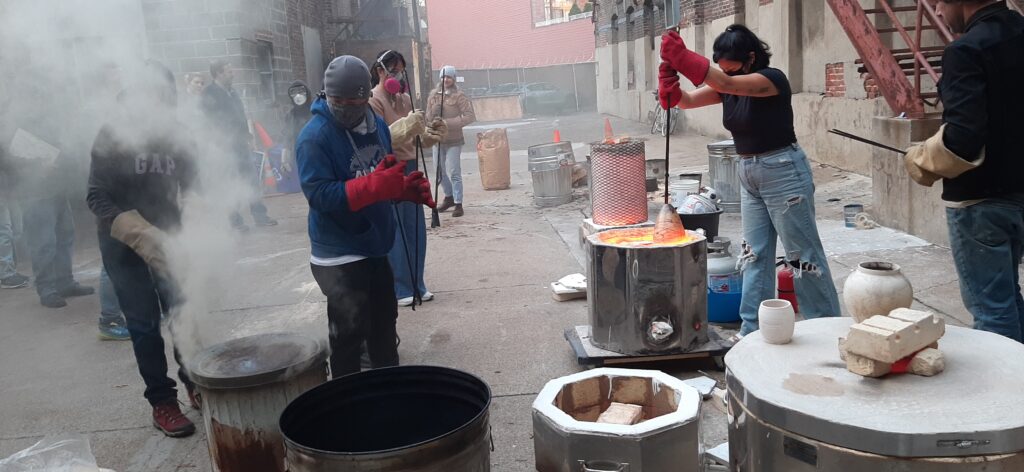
{"points": [[787, 291]]}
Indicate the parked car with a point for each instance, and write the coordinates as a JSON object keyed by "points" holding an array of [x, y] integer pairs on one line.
{"points": [[476, 91], [503, 89], [545, 96]]}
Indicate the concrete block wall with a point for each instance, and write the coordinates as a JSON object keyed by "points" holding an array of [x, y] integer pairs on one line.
{"points": [[187, 34]]}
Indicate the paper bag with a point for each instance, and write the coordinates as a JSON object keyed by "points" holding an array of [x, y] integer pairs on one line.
{"points": [[493, 153]]}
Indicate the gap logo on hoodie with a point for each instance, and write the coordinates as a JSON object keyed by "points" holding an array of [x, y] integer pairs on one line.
{"points": [[154, 164], [366, 159]]}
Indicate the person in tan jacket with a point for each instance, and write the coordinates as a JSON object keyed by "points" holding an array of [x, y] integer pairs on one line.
{"points": [[390, 100], [458, 112]]}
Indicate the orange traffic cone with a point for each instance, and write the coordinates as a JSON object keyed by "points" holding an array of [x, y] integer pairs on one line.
{"points": [[263, 136], [558, 137], [608, 133], [269, 179]]}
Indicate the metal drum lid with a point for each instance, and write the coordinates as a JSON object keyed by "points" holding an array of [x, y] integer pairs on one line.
{"points": [[970, 409], [256, 360], [727, 147]]}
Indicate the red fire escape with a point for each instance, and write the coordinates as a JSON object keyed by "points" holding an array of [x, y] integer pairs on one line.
{"points": [[898, 71]]}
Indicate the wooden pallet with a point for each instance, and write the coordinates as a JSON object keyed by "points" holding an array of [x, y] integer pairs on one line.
{"points": [[587, 354]]}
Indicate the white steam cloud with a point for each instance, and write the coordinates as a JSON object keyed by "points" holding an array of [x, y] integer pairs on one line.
{"points": [[63, 64]]}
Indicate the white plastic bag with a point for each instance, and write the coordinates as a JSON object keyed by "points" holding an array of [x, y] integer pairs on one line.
{"points": [[61, 453]]}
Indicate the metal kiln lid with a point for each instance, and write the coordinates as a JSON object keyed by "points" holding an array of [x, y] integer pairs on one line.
{"points": [[256, 360], [973, 408]]}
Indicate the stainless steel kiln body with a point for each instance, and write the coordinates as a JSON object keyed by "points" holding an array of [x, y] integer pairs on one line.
{"points": [[795, 407], [670, 443], [629, 289]]}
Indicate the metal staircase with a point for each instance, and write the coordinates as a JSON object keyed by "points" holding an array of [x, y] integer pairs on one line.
{"points": [[898, 71]]}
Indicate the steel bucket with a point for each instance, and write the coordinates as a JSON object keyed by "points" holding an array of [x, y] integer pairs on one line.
{"points": [[550, 168], [723, 165]]}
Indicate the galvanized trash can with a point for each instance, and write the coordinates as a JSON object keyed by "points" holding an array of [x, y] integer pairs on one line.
{"points": [[551, 170], [724, 165], [245, 384], [394, 419]]}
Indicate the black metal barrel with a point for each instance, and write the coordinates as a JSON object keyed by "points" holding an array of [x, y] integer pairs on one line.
{"points": [[395, 419]]}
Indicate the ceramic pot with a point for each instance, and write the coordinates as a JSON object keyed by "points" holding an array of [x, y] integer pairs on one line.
{"points": [[776, 320], [876, 288]]}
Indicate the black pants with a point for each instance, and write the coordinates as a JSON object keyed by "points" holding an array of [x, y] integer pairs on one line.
{"points": [[249, 170], [361, 307], [143, 297]]}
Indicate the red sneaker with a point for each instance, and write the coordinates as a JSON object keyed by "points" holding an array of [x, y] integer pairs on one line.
{"points": [[167, 417]]}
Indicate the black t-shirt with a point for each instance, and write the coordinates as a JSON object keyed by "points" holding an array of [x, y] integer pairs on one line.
{"points": [[761, 124]]}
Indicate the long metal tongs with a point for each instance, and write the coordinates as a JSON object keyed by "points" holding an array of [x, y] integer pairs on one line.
{"points": [[865, 141]]}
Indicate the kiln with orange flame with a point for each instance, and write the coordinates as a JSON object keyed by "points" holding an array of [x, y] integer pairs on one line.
{"points": [[645, 297]]}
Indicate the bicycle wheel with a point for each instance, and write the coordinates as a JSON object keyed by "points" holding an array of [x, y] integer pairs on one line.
{"points": [[676, 117]]}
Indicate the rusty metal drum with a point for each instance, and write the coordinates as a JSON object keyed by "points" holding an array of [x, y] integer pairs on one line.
{"points": [[245, 384]]}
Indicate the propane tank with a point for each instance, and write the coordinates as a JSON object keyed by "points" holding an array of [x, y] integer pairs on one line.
{"points": [[725, 283], [787, 290]]}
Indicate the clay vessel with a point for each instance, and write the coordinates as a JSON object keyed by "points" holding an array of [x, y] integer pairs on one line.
{"points": [[776, 320], [876, 288]]}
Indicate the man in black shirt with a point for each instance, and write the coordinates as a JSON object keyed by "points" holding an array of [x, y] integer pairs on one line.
{"points": [[226, 113], [977, 155], [141, 162]]}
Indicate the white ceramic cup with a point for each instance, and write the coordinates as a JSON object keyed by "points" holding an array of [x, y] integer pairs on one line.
{"points": [[776, 320]]}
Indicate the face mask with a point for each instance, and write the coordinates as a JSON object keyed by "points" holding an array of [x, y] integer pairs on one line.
{"points": [[349, 116], [734, 73], [299, 99]]}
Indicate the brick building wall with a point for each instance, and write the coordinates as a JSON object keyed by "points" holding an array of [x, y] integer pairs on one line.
{"points": [[301, 13], [253, 36], [498, 34]]}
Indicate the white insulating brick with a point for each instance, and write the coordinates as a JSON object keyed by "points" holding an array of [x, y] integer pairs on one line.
{"points": [[621, 413], [861, 365], [928, 362], [888, 339]]}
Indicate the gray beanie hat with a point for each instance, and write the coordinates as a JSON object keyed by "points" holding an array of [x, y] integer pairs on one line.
{"points": [[347, 77], [448, 71]]}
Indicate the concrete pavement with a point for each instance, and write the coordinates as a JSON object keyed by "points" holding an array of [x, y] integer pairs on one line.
{"points": [[493, 315]]}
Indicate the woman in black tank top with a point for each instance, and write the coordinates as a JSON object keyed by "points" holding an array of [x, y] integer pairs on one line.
{"points": [[777, 199]]}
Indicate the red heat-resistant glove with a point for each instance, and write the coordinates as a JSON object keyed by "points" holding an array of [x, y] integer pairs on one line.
{"points": [[386, 182], [693, 66], [669, 93], [416, 189]]}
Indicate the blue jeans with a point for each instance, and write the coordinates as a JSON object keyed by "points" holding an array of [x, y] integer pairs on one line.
{"points": [[144, 296], [414, 225], [777, 202], [987, 241], [50, 233], [451, 172], [110, 309], [7, 264]]}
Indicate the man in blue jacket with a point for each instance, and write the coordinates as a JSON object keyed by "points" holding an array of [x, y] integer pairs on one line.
{"points": [[351, 179]]}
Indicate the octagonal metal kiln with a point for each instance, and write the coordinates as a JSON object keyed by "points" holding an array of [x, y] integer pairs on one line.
{"points": [[646, 298], [566, 437], [795, 407]]}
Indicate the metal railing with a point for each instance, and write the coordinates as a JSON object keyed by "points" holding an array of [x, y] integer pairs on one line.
{"points": [[888, 65]]}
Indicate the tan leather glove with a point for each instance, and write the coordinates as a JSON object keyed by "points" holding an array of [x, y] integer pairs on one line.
{"points": [[931, 160], [287, 160], [434, 133], [145, 239], [404, 130]]}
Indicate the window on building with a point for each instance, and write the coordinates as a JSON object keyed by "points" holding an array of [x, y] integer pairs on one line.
{"points": [[615, 51], [630, 55], [265, 69], [673, 13]]}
